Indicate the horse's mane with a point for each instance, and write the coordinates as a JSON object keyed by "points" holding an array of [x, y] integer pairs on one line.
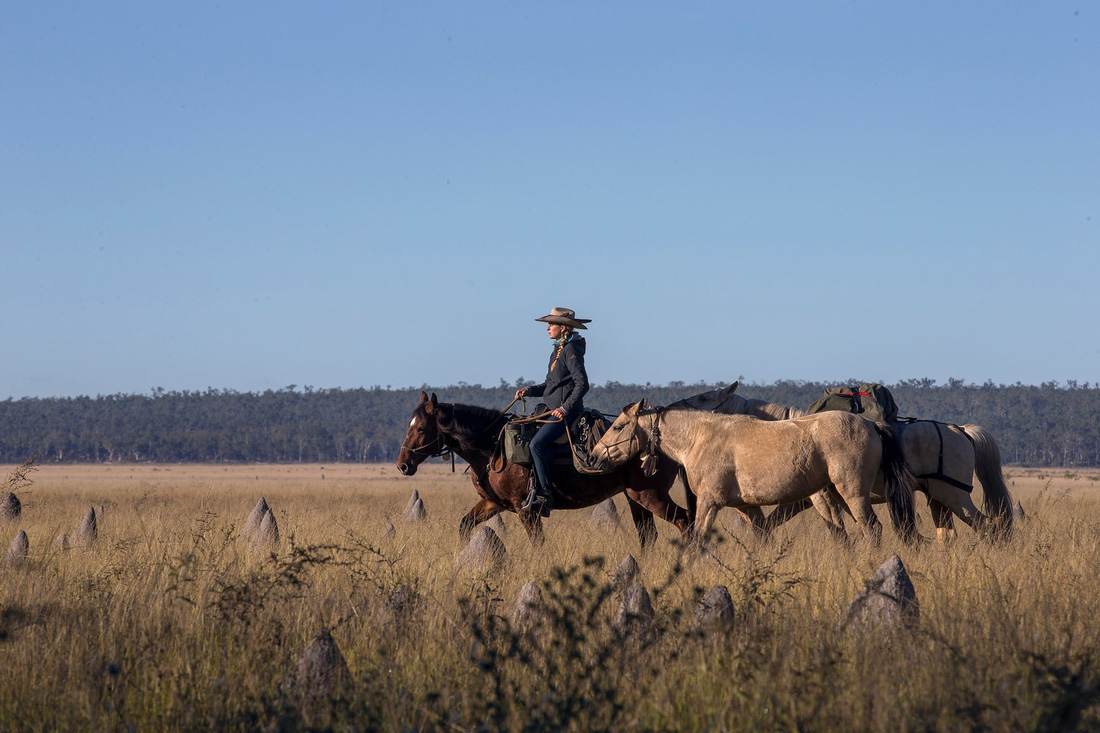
{"points": [[472, 427], [738, 405]]}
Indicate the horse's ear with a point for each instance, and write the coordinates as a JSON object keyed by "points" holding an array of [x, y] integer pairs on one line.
{"points": [[423, 397], [734, 386], [644, 403]]}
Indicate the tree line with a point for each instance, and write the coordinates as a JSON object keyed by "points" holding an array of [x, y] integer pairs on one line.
{"points": [[1051, 424]]}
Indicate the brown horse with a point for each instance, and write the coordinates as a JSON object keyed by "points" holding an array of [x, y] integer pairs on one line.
{"points": [[471, 433]]}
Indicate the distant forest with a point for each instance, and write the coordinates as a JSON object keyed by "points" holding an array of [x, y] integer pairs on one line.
{"points": [[1051, 424]]}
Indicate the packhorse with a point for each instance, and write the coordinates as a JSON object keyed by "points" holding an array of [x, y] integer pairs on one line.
{"points": [[740, 461], [471, 433], [945, 458]]}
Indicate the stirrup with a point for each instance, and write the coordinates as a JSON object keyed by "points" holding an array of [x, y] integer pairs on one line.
{"points": [[538, 502], [542, 505]]}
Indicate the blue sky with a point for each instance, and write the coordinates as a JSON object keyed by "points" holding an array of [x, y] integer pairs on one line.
{"points": [[249, 195]]}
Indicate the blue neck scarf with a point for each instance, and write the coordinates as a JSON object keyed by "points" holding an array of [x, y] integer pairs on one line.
{"points": [[564, 341]]}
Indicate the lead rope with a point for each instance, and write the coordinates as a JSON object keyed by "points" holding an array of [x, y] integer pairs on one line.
{"points": [[649, 463]]}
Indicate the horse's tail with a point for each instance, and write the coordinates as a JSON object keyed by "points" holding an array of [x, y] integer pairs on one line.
{"points": [[987, 465], [899, 482]]}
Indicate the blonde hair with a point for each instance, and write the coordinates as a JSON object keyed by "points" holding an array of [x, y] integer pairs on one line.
{"points": [[568, 331]]}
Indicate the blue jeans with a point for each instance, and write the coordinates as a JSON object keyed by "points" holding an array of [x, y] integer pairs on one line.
{"points": [[542, 450]]}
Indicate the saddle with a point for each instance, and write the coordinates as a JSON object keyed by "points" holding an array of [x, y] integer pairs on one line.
{"points": [[585, 431]]}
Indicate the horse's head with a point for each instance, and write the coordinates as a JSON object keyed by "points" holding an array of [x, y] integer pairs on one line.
{"points": [[625, 438], [423, 439], [708, 401]]}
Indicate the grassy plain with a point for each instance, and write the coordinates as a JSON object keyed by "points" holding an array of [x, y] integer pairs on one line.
{"points": [[172, 622]]}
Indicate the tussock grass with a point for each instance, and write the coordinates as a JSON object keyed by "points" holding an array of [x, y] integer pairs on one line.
{"points": [[171, 622]]}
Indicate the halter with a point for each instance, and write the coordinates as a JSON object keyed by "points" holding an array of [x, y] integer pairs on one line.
{"points": [[607, 448], [649, 461]]}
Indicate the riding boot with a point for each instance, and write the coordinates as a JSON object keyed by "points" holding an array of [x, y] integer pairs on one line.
{"points": [[539, 499]]}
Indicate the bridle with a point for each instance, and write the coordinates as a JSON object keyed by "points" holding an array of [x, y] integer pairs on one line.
{"points": [[633, 437], [443, 449], [440, 438], [607, 448]]}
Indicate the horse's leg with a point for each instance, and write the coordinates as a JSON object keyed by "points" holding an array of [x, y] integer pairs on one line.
{"points": [[783, 514], [482, 511], [704, 520], [663, 506], [859, 504], [754, 515], [831, 506], [532, 522], [652, 492], [643, 522], [942, 518], [959, 503]]}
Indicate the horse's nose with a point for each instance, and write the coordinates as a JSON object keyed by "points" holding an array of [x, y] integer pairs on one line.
{"points": [[404, 469]]}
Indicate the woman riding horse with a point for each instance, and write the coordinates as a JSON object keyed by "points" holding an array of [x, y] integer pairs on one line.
{"points": [[565, 385]]}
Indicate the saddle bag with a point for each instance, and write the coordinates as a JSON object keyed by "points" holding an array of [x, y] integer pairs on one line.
{"points": [[586, 433], [517, 443]]}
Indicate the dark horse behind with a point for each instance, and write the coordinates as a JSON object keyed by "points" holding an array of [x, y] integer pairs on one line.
{"points": [[470, 432]]}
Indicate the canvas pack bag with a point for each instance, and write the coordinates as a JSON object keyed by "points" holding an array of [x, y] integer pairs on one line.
{"points": [[517, 443], [870, 400]]}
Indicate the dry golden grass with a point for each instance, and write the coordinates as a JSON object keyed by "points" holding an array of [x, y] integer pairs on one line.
{"points": [[172, 622]]}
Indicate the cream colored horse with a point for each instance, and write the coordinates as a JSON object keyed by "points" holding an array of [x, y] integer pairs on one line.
{"points": [[741, 461], [944, 457]]}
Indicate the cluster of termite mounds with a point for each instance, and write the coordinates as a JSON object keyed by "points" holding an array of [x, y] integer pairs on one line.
{"points": [[260, 528], [85, 535]]}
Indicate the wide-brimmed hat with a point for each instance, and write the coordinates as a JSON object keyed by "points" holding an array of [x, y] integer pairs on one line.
{"points": [[565, 317]]}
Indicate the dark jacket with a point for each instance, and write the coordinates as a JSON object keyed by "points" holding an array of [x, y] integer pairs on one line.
{"points": [[566, 380]]}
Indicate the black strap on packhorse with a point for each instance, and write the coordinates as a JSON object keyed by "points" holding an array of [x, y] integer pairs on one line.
{"points": [[939, 475]]}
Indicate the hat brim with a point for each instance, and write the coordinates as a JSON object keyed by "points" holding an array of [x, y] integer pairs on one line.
{"points": [[564, 321]]}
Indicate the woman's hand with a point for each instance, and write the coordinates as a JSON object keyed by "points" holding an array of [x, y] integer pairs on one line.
{"points": [[521, 393], [558, 413]]}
